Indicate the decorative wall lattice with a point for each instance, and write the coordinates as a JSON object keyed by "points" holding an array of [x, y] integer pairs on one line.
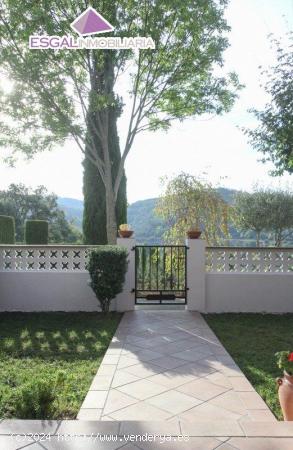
{"points": [[260, 260], [49, 258]]}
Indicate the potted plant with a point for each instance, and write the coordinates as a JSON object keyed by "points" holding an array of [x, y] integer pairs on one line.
{"points": [[194, 232], [285, 362], [125, 231]]}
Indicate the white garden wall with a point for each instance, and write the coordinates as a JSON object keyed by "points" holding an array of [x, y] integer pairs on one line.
{"points": [[219, 279], [249, 292], [54, 278], [46, 291]]}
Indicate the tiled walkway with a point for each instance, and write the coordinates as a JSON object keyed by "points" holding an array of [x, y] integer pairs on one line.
{"points": [[166, 382], [169, 366]]}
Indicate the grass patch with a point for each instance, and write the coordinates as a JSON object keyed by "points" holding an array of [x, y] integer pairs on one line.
{"points": [[252, 340], [37, 348]]}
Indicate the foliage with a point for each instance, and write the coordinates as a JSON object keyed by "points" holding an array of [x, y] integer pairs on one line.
{"points": [[107, 267], [274, 135], [24, 203], [7, 230], [71, 94], [94, 214], [36, 232], [265, 210], [252, 340], [280, 215], [35, 399], [188, 202], [285, 361], [65, 348], [251, 212]]}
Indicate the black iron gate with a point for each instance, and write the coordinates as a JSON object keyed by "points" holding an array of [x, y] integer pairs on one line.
{"points": [[160, 274]]}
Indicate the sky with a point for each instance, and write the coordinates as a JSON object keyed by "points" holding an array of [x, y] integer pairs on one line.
{"points": [[213, 146]]}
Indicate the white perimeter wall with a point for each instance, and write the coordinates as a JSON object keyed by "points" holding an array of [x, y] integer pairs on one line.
{"points": [[249, 292], [46, 291]]}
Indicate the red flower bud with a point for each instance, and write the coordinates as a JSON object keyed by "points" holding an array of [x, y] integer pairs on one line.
{"points": [[290, 357]]}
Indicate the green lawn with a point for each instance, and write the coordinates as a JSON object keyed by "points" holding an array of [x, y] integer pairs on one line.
{"points": [[252, 340], [45, 353]]}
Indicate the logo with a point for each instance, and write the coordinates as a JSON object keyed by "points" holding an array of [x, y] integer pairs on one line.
{"points": [[91, 22], [88, 23]]}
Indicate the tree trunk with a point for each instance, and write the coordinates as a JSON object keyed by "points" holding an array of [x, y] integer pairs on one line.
{"points": [[111, 212], [258, 238]]}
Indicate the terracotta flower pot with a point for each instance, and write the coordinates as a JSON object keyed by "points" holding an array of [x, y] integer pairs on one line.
{"points": [[193, 234], [286, 395], [125, 233]]}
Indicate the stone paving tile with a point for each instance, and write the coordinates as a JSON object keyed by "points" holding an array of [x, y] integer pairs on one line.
{"points": [[107, 370], [252, 400], [208, 412], [197, 369], [190, 355], [15, 443], [141, 411], [198, 443], [219, 379], [230, 401], [261, 443], [83, 427], [168, 362], [276, 429], [158, 356], [79, 443], [172, 379], [262, 415], [117, 400], [241, 384], [101, 383], [121, 377], [89, 414], [95, 399], [201, 389], [142, 389], [141, 427], [144, 370], [174, 402], [10, 426], [212, 428], [126, 361], [146, 355]]}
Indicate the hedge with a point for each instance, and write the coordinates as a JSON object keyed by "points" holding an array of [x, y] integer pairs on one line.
{"points": [[36, 232], [107, 267], [7, 230]]}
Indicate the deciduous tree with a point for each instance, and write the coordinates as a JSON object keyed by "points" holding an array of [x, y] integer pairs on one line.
{"points": [[188, 202], [62, 94], [274, 134]]}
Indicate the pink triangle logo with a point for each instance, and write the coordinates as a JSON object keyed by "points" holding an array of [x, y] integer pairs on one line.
{"points": [[91, 22]]}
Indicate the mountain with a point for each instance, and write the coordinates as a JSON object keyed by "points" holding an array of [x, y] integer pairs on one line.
{"points": [[149, 228], [73, 210]]}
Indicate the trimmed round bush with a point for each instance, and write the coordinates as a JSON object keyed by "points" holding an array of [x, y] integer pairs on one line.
{"points": [[7, 230], [36, 232], [107, 267]]}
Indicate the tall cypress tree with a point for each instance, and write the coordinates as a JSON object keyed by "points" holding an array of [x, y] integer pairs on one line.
{"points": [[94, 215]]}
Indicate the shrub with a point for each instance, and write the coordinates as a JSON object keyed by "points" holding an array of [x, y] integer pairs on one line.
{"points": [[107, 267], [7, 230], [35, 399], [36, 232]]}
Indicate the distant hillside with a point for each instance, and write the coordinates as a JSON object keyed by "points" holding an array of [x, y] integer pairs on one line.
{"points": [[149, 228], [73, 210]]}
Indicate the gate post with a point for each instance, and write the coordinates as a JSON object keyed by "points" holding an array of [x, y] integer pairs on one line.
{"points": [[196, 273], [125, 300]]}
